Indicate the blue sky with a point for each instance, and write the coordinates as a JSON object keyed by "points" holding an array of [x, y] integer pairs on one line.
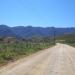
{"points": [[45, 13]]}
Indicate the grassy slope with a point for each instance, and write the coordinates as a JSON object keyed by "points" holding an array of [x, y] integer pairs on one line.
{"points": [[13, 51], [67, 38]]}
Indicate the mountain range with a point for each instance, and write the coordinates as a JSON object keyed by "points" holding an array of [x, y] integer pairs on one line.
{"points": [[29, 31]]}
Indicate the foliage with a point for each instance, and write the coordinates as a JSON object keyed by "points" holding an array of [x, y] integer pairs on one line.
{"points": [[10, 51], [67, 38]]}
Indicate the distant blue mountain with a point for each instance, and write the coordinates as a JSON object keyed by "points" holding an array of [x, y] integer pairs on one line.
{"points": [[29, 31], [6, 31]]}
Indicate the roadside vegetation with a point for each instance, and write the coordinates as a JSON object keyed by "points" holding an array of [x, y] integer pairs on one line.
{"points": [[67, 39], [12, 49]]}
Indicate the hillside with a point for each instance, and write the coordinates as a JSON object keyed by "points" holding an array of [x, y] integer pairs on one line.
{"points": [[29, 31], [67, 38], [6, 31]]}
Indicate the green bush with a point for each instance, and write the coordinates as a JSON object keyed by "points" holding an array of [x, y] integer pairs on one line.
{"points": [[12, 51]]}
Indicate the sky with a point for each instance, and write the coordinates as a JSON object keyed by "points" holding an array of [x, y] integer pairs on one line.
{"points": [[44, 13]]}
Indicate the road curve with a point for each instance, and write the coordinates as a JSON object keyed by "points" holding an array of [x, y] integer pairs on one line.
{"points": [[58, 60]]}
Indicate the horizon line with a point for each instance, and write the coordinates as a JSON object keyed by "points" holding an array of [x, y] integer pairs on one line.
{"points": [[38, 26]]}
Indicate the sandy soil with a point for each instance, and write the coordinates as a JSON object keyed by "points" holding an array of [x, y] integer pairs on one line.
{"points": [[58, 60]]}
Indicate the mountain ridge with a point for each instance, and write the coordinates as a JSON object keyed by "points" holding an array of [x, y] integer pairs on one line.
{"points": [[30, 31]]}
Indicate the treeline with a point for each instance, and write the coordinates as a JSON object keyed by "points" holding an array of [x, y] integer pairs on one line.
{"points": [[12, 48]]}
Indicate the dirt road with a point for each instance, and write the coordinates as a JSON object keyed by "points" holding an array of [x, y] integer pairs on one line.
{"points": [[58, 60]]}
